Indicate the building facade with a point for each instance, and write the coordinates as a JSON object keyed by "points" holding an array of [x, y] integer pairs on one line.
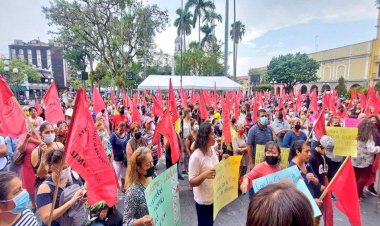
{"points": [[47, 59]]}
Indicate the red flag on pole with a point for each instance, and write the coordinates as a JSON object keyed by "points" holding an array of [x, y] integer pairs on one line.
{"points": [[12, 118], [86, 155], [97, 100], [37, 105], [53, 109], [113, 99], [353, 94], [328, 211], [173, 104], [319, 127], [202, 106], [136, 117], [156, 109], [314, 101], [226, 128]]}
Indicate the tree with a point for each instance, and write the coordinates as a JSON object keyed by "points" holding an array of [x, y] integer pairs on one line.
{"points": [[200, 9], [101, 73], [292, 68], [377, 86], [209, 37], [341, 87], [211, 16], [25, 72], [183, 23], [115, 31], [255, 76], [237, 32]]}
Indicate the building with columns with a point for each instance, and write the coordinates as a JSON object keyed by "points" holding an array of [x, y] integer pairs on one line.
{"points": [[358, 64]]}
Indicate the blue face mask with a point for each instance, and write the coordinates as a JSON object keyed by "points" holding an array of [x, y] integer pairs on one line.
{"points": [[264, 121], [21, 202]]}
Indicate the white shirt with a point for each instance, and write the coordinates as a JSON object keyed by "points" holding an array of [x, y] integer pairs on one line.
{"points": [[199, 163]]}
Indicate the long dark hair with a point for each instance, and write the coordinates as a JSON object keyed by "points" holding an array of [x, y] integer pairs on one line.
{"points": [[271, 144], [296, 146], [202, 136], [5, 178], [365, 130]]}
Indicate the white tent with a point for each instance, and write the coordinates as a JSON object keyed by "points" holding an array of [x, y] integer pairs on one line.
{"points": [[155, 82]]}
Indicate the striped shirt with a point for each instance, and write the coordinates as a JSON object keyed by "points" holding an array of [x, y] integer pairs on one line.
{"points": [[258, 135], [27, 218]]}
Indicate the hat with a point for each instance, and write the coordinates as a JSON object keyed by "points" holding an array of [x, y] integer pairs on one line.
{"points": [[328, 144], [69, 112], [147, 120], [217, 115]]}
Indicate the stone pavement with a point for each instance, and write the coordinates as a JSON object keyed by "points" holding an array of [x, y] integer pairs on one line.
{"points": [[235, 213]]}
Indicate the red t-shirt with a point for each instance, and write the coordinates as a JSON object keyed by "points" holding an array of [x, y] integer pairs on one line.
{"points": [[260, 170], [117, 119]]}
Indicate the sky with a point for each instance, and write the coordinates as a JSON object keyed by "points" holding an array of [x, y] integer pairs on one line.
{"points": [[273, 27]]}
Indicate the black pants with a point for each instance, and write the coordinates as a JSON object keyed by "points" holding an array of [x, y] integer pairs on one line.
{"points": [[205, 214]]}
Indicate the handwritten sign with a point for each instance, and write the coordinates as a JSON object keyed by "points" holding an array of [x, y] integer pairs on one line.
{"points": [[226, 182], [293, 174], [351, 122], [345, 140], [162, 198], [260, 155]]}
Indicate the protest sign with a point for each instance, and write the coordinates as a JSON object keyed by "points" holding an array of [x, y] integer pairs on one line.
{"points": [[226, 182], [351, 122], [345, 140], [291, 173], [162, 198], [260, 155]]}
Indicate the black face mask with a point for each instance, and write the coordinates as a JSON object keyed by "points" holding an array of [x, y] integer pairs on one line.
{"points": [[271, 160], [137, 135], [280, 116], [149, 172], [297, 127]]}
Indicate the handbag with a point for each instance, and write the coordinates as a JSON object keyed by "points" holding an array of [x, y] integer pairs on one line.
{"points": [[18, 158]]}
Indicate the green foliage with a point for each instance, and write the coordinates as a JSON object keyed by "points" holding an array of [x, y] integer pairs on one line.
{"points": [[255, 75], [76, 56], [237, 31], [24, 71], [377, 87], [183, 22], [263, 87], [209, 39], [201, 7], [341, 87], [292, 68]]}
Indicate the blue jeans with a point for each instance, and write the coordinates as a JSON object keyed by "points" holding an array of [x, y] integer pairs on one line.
{"points": [[205, 214]]}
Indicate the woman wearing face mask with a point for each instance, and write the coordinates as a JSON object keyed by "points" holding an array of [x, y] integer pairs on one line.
{"points": [[148, 134], [294, 134], [191, 137], [239, 145], [14, 200], [269, 166], [139, 175], [137, 140], [27, 143], [104, 136], [54, 160], [376, 137]]}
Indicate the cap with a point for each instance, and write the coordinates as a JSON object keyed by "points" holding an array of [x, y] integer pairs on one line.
{"points": [[147, 120], [69, 112], [217, 115], [328, 143]]}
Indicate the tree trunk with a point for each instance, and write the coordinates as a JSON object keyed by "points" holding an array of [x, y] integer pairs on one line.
{"points": [[226, 41], [199, 29], [235, 44]]}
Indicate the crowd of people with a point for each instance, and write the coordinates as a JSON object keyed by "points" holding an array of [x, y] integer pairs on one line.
{"points": [[33, 164]]}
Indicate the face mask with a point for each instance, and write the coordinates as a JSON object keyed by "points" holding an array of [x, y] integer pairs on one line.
{"points": [[190, 114], [48, 139], [264, 121], [196, 128], [241, 132], [297, 127], [216, 128], [102, 134], [137, 135], [280, 116], [271, 160], [149, 172], [21, 202]]}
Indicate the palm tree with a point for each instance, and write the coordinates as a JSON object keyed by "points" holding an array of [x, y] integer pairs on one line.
{"points": [[200, 9], [183, 23], [211, 16], [237, 32], [226, 40], [209, 37]]}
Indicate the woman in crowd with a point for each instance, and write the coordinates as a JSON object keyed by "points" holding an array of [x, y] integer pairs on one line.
{"points": [[28, 142], [294, 134], [61, 132], [148, 134], [137, 140], [139, 175], [14, 200], [365, 155], [54, 161], [376, 137], [239, 145], [186, 130], [119, 140], [34, 120], [202, 172], [299, 155], [105, 138], [269, 166], [48, 136], [280, 204], [190, 139]]}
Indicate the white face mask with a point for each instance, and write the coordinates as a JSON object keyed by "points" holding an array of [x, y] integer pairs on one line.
{"points": [[49, 138], [65, 173]]}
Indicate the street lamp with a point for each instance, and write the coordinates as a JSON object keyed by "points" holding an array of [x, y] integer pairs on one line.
{"points": [[6, 69]]}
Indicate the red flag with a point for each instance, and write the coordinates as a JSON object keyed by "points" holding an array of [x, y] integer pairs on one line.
{"points": [[363, 101], [345, 190], [113, 99], [226, 128], [136, 99], [314, 101], [237, 109], [202, 106], [97, 100], [173, 105], [136, 117], [12, 118], [328, 211], [319, 127], [298, 101], [37, 105], [254, 112], [156, 109], [166, 128], [86, 155], [53, 109], [183, 98], [353, 94]]}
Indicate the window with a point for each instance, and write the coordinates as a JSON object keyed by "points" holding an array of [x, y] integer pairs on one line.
{"points": [[378, 71], [21, 53], [30, 58], [48, 57], [39, 58], [13, 53]]}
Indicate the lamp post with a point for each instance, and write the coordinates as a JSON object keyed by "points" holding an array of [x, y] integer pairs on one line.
{"points": [[6, 70], [273, 82], [15, 72]]}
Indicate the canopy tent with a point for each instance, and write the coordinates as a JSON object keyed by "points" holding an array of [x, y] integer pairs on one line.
{"points": [[155, 82]]}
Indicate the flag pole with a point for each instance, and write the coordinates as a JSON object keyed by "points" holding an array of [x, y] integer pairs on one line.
{"points": [[56, 190], [332, 181]]}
